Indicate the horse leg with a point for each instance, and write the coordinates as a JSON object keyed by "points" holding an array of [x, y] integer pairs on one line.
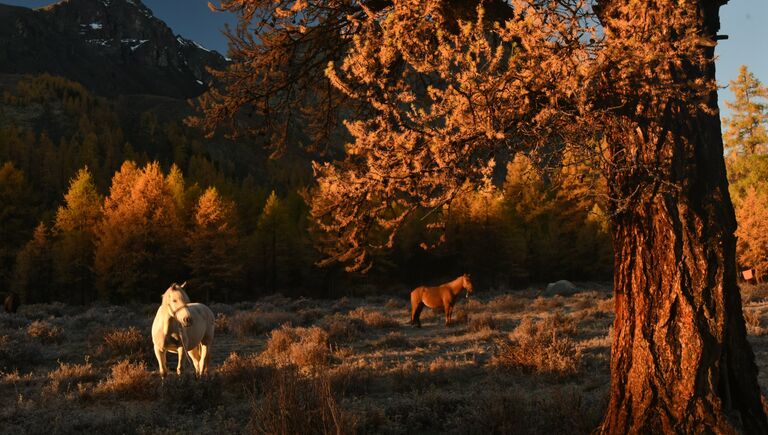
{"points": [[205, 356], [180, 354], [417, 314], [160, 354], [195, 354], [447, 314]]}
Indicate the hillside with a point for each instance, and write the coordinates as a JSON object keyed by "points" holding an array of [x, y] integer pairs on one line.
{"points": [[112, 47]]}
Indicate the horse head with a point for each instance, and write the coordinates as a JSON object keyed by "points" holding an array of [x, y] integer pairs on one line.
{"points": [[176, 300], [467, 283]]}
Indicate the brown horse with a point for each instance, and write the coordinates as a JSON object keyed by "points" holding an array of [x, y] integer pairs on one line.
{"points": [[11, 303], [443, 296]]}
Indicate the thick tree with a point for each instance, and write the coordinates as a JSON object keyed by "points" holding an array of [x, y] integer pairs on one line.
{"points": [[437, 93]]}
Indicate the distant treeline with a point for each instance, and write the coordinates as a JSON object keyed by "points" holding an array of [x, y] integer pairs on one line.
{"points": [[96, 207]]}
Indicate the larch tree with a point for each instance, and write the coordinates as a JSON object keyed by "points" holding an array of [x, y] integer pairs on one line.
{"points": [[213, 259], [33, 272], [436, 93], [139, 246], [75, 230], [752, 233], [746, 130]]}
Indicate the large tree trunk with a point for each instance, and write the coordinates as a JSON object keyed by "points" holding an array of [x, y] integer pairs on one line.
{"points": [[680, 360]]}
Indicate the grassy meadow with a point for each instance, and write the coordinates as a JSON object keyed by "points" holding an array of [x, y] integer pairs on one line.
{"points": [[513, 362]]}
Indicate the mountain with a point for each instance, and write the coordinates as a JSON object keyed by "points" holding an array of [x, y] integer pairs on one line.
{"points": [[113, 47]]}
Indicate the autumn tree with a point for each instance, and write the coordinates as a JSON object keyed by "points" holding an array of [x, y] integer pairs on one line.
{"points": [[33, 274], [17, 210], [139, 246], [752, 233], [441, 91], [74, 245], [746, 130], [214, 259]]}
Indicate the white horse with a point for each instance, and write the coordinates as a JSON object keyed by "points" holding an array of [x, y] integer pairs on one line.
{"points": [[180, 325]]}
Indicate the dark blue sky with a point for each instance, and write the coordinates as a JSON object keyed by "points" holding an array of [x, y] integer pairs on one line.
{"points": [[744, 21]]}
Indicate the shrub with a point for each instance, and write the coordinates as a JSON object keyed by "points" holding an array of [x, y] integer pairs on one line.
{"points": [[242, 370], [18, 354], [247, 323], [307, 348], [483, 322], [373, 319], [44, 331], [393, 340], [125, 343], [342, 328], [396, 304], [187, 395], [754, 325], [536, 347], [127, 380], [507, 303], [291, 404], [221, 323], [67, 377]]}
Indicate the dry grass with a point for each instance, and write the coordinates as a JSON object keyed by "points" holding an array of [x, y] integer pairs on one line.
{"points": [[221, 324], [250, 323], [122, 343], [373, 319], [129, 380], [393, 340], [360, 369], [507, 303], [534, 346], [45, 332], [292, 404], [307, 348], [70, 378], [754, 322], [343, 329], [482, 323]]}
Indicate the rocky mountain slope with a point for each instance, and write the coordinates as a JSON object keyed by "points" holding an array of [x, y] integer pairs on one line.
{"points": [[113, 47]]}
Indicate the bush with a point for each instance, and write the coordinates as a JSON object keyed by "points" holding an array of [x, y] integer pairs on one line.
{"points": [[536, 347], [373, 319], [18, 354], [393, 340], [242, 370], [507, 303], [291, 404], [754, 324], [67, 377], [187, 395], [249, 323], [221, 324], [307, 348], [482, 323], [342, 329], [127, 380], [44, 331], [125, 343]]}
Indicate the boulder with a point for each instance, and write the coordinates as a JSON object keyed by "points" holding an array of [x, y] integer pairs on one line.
{"points": [[562, 288]]}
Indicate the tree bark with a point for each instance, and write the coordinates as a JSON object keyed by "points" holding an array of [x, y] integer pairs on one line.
{"points": [[680, 360]]}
